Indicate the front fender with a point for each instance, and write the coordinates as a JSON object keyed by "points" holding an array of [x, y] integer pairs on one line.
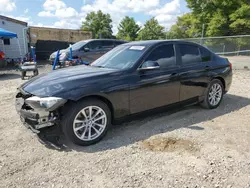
{"points": [[119, 99]]}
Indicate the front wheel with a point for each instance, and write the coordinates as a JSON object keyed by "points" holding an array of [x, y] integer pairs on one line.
{"points": [[23, 74], [86, 122], [35, 72], [213, 94]]}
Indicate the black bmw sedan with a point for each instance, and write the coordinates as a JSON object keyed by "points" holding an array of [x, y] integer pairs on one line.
{"points": [[132, 78]]}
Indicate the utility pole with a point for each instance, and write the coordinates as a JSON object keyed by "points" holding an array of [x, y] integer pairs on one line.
{"points": [[203, 32]]}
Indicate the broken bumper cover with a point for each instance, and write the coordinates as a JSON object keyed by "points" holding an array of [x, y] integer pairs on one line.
{"points": [[37, 113], [33, 121]]}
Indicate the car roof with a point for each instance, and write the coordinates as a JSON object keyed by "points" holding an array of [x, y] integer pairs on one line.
{"points": [[90, 40], [153, 42]]}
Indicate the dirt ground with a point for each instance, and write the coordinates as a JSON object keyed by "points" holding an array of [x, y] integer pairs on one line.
{"points": [[191, 147], [240, 62]]}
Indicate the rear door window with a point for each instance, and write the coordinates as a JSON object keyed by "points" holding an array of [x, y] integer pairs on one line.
{"points": [[107, 44], [189, 54], [205, 55], [94, 45], [118, 43]]}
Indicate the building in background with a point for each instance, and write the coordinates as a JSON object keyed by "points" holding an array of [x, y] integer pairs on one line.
{"points": [[47, 40], [55, 34], [11, 48]]}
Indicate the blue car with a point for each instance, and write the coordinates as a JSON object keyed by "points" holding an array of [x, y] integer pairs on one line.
{"points": [[87, 50]]}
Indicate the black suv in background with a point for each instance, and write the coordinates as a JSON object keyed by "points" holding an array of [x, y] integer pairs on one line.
{"points": [[87, 50]]}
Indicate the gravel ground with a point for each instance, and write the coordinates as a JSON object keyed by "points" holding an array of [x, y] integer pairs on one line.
{"points": [[192, 147]]}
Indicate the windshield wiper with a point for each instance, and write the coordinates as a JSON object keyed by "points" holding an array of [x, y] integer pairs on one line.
{"points": [[99, 66]]}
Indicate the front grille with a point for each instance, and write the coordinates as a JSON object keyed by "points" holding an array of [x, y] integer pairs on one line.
{"points": [[30, 116], [27, 107]]}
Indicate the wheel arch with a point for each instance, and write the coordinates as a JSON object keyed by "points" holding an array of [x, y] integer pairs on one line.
{"points": [[222, 81], [101, 98]]}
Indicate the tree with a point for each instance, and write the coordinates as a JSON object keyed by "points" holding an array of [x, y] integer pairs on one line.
{"points": [[152, 31], [241, 20], [99, 24], [220, 18], [128, 29], [187, 26]]}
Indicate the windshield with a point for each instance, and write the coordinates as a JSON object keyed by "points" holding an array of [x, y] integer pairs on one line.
{"points": [[77, 45], [121, 57]]}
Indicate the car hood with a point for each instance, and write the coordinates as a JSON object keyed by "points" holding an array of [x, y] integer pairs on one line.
{"points": [[64, 80], [53, 55]]}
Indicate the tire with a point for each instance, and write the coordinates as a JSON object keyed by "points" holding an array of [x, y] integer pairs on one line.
{"points": [[207, 103], [35, 72], [23, 74], [72, 115]]}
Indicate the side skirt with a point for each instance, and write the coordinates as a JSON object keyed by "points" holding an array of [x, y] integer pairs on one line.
{"points": [[172, 107]]}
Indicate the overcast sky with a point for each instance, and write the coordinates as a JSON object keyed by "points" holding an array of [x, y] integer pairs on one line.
{"points": [[71, 13]]}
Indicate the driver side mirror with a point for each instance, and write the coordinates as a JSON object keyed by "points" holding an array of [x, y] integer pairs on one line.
{"points": [[86, 49], [149, 65]]}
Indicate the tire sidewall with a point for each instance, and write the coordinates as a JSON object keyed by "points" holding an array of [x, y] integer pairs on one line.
{"points": [[216, 81], [35, 72], [23, 74], [71, 112]]}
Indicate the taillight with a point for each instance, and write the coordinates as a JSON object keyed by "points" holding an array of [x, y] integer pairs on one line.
{"points": [[230, 65]]}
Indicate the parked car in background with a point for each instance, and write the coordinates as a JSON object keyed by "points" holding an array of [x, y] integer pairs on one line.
{"points": [[132, 78], [87, 50]]}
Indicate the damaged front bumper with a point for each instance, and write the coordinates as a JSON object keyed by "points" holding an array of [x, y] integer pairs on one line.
{"points": [[35, 121], [38, 117]]}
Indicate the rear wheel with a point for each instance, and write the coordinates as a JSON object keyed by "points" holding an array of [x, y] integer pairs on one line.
{"points": [[85, 123], [213, 94]]}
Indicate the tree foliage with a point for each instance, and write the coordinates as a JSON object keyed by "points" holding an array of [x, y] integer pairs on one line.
{"points": [[99, 24], [152, 31], [220, 18], [187, 26], [128, 29], [240, 20]]}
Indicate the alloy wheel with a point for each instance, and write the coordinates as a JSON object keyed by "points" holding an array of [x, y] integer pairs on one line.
{"points": [[215, 94], [90, 123]]}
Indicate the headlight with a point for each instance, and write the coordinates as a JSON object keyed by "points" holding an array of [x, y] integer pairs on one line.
{"points": [[47, 103], [62, 56]]}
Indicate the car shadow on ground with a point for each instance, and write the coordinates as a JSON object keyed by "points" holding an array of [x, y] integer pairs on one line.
{"points": [[9, 76], [144, 127]]}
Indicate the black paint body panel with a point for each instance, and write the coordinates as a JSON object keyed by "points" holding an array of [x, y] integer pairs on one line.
{"points": [[132, 91]]}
